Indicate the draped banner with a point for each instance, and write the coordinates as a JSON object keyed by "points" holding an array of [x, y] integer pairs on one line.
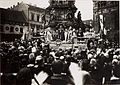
{"points": [[16, 29], [25, 33], [103, 30], [101, 22], [6, 28]]}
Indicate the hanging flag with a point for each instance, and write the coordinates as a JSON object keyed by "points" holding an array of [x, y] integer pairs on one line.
{"points": [[104, 31], [35, 30], [101, 22], [25, 33]]}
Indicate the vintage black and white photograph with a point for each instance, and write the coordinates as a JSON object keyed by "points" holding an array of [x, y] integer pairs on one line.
{"points": [[59, 42]]}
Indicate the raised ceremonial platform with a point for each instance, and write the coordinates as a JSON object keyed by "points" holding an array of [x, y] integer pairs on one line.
{"points": [[77, 42], [60, 45], [68, 45]]}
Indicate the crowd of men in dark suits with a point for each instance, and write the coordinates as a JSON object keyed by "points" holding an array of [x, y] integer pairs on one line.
{"points": [[29, 57]]}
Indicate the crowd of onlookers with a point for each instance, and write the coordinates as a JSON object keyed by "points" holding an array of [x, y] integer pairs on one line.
{"points": [[29, 57]]}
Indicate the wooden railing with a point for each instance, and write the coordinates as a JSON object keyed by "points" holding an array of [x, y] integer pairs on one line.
{"points": [[82, 40]]}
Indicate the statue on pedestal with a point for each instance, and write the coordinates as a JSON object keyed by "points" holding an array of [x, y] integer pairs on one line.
{"points": [[80, 22], [79, 17]]}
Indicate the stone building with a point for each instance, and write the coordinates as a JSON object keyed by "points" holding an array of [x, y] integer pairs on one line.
{"points": [[34, 17], [12, 25], [106, 19]]}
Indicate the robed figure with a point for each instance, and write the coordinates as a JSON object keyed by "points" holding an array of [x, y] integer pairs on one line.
{"points": [[49, 37]]}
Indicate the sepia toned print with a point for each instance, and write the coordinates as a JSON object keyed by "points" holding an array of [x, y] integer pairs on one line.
{"points": [[60, 42]]}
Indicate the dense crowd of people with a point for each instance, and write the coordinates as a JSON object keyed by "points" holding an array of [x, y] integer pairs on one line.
{"points": [[29, 57]]}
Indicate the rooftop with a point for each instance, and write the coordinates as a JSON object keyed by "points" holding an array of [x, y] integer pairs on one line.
{"points": [[12, 16], [35, 8]]}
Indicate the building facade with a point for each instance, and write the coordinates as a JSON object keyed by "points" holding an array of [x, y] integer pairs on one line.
{"points": [[34, 16], [106, 19], [13, 24]]}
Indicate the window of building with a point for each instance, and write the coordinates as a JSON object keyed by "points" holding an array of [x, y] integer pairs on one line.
{"points": [[38, 17], [99, 5], [103, 3], [61, 2], [53, 2], [21, 30], [1, 30], [70, 2], [11, 29], [32, 16]]}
